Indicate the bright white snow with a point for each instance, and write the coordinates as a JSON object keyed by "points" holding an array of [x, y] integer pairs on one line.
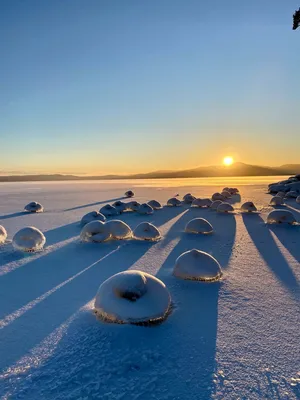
{"points": [[29, 239]]}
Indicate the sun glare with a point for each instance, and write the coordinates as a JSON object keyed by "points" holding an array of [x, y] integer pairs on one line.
{"points": [[227, 160]]}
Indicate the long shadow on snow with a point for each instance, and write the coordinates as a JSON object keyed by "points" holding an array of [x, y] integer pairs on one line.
{"points": [[289, 237], [56, 235], [13, 215], [267, 247], [95, 204]]}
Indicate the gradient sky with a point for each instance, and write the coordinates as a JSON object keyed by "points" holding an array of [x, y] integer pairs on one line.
{"points": [[94, 86]]}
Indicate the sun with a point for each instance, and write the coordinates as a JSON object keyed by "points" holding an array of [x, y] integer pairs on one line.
{"points": [[227, 160]]}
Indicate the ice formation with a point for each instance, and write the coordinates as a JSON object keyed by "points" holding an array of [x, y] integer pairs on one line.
{"points": [[92, 216], [248, 207], [29, 239], [281, 217], [199, 225], [225, 208], [173, 202], [95, 231], [108, 211], [34, 207], [201, 203], [146, 231], [118, 229], [3, 234], [155, 204]]}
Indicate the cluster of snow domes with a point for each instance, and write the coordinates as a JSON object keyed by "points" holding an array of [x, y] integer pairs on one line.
{"points": [[276, 201], [197, 265], [281, 217], [201, 203], [146, 231], [132, 297], [155, 204], [118, 229], [95, 231], [34, 207], [129, 193], [290, 184], [173, 202], [248, 207], [215, 204], [145, 209], [225, 208], [3, 234], [29, 239], [132, 206], [217, 196], [292, 194], [188, 198], [92, 216], [120, 206], [226, 194], [199, 225], [232, 191], [109, 211]]}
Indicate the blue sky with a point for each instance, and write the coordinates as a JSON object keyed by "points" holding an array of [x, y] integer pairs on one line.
{"points": [[127, 85]]}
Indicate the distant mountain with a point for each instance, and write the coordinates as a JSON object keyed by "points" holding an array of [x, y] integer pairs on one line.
{"points": [[237, 169]]}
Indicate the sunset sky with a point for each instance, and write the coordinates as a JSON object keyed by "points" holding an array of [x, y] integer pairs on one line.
{"points": [[117, 86]]}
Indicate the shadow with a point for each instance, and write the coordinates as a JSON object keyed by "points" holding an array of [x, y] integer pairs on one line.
{"points": [[235, 198], [289, 237], [17, 214], [268, 249], [95, 204], [65, 232]]}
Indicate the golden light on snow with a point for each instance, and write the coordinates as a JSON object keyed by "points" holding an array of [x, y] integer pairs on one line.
{"points": [[227, 160]]}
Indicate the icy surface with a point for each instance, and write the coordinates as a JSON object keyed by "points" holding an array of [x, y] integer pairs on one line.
{"points": [[229, 340]]}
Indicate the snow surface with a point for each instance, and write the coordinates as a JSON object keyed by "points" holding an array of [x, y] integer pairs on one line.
{"points": [[233, 339]]}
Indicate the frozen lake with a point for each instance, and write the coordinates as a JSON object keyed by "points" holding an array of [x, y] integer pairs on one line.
{"points": [[236, 339]]}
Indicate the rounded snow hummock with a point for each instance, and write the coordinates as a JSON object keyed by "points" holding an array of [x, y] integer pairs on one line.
{"points": [[281, 194], [129, 193], [201, 203], [225, 208], [199, 225], [29, 239], [226, 194], [188, 198], [217, 196], [281, 217], [215, 204], [95, 231], [108, 211], [34, 207], [173, 202], [146, 231], [3, 234], [248, 207], [133, 297], [276, 201], [292, 194], [132, 206], [118, 229], [145, 209], [120, 206], [298, 200], [92, 216], [197, 265], [155, 204]]}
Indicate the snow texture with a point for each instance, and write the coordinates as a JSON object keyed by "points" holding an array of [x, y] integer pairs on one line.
{"points": [[95, 231], [248, 207], [3, 234], [155, 204], [118, 229], [281, 217], [146, 231], [276, 201], [92, 216], [34, 207], [173, 202], [215, 204], [145, 209], [188, 198], [201, 203], [217, 196], [109, 211], [29, 239], [199, 225]]}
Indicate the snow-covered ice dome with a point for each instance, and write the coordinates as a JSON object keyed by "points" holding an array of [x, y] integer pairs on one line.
{"points": [[201, 203], [95, 231], [120, 206], [145, 209], [217, 196], [146, 231], [226, 194], [34, 207], [298, 200], [281, 217], [108, 211], [225, 208], [215, 204], [276, 201], [188, 198], [198, 266], [129, 193], [92, 216], [29, 239], [292, 194], [173, 202], [132, 297], [155, 204], [281, 194], [118, 229], [3, 234], [132, 205], [199, 225], [248, 207]]}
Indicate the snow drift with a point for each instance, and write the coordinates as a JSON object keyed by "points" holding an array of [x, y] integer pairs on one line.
{"points": [[118, 229], [225, 208], [248, 207], [201, 203], [154, 204], [173, 202], [145, 209], [108, 211]]}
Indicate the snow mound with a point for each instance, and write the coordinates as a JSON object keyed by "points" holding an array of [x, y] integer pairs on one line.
{"points": [[298, 200], [199, 225], [129, 193], [92, 216], [95, 231], [188, 198], [118, 229], [34, 207], [173, 202], [292, 194], [120, 206], [225, 208], [29, 239], [146, 231], [226, 194], [215, 204], [201, 203], [145, 209], [217, 196], [132, 297], [155, 204], [281, 217], [232, 191], [276, 201], [132, 206], [281, 194], [248, 207], [3, 234], [108, 211], [197, 265]]}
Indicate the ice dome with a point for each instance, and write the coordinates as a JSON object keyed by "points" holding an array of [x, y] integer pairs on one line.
{"points": [[275, 188], [292, 194], [92, 216], [298, 200], [281, 217], [3, 234], [215, 204], [120, 206], [109, 211], [146, 231], [95, 231], [217, 196], [145, 209], [133, 205], [281, 194], [197, 265], [118, 229], [129, 193], [226, 194], [201, 203], [225, 208], [173, 202], [276, 201], [188, 198], [133, 297], [155, 204], [34, 207], [199, 225], [29, 239], [249, 207]]}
